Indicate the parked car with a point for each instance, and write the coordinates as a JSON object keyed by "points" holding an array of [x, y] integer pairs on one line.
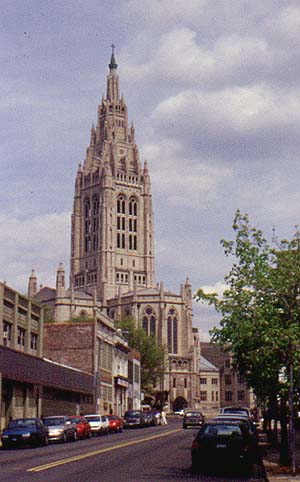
{"points": [[60, 428], [134, 418], [83, 427], [227, 445], [24, 431], [236, 417], [192, 418], [150, 418], [99, 424], [238, 410], [115, 423], [179, 412]]}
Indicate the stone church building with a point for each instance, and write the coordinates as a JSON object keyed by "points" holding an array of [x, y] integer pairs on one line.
{"points": [[112, 262]]}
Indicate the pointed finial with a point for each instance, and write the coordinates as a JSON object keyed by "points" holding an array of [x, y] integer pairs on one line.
{"points": [[146, 171], [113, 64]]}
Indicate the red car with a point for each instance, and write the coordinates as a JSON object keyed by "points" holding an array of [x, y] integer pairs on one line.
{"points": [[83, 427], [115, 423]]}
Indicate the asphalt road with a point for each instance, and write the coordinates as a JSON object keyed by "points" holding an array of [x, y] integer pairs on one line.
{"points": [[154, 454]]}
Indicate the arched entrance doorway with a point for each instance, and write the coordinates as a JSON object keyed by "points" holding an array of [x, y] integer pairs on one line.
{"points": [[179, 403]]}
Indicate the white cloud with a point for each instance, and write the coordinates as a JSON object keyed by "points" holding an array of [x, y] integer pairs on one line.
{"points": [[234, 123], [186, 181], [285, 24], [184, 58], [40, 243], [219, 287]]}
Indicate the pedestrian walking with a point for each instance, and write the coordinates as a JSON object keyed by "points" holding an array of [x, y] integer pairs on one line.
{"points": [[164, 418]]}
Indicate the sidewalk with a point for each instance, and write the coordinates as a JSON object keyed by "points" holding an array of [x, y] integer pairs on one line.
{"points": [[274, 472]]}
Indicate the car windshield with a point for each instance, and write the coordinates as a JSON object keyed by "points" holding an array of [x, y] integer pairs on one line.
{"points": [[76, 420], [93, 418], [193, 414], [221, 430], [133, 414], [54, 421], [21, 423]]}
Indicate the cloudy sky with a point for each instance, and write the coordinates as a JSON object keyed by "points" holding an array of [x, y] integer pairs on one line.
{"points": [[213, 88]]}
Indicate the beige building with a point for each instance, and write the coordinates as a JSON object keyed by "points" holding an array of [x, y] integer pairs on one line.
{"points": [[112, 266], [233, 389], [209, 380]]}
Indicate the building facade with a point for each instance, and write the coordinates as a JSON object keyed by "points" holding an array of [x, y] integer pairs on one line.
{"points": [[233, 389], [31, 385]]}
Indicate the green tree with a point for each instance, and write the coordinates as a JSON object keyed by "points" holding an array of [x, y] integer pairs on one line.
{"points": [[152, 353], [260, 309]]}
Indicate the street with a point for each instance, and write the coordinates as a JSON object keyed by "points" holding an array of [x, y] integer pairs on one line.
{"points": [[151, 454]]}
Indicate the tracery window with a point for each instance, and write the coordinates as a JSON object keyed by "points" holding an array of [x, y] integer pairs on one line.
{"points": [[172, 323], [149, 321], [132, 223], [95, 223], [87, 225], [121, 221]]}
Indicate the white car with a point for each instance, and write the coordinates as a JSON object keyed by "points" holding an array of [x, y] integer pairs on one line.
{"points": [[99, 423], [179, 412]]}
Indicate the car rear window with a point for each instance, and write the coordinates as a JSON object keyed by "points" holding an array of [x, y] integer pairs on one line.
{"points": [[54, 421], [93, 418], [22, 423], [222, 430], [133, 414]]}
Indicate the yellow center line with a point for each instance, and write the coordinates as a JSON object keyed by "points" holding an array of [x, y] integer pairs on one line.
{"points": [[56, 463]]}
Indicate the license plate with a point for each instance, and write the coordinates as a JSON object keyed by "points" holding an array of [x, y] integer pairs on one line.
{"points": [[221, 446], [14, 439]]}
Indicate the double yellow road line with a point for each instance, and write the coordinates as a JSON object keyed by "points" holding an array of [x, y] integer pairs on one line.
{"points": [[75, 458]]}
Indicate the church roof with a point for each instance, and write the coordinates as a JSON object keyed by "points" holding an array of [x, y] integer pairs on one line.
{"points": [[206, 366], [80, 295], [45, 294]]}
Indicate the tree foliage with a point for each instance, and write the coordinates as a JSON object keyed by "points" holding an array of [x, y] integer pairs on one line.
{"points": [[260, 308], [152, 353]]}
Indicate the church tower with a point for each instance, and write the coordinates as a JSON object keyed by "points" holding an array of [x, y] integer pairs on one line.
{"points": [[112, 241]]}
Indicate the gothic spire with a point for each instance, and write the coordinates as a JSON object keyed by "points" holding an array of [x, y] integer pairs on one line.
{"points": [[113, 64], [112, 93]]}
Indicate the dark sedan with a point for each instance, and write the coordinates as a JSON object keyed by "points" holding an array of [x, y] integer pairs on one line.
{"points": [[192, 419], [223, 444], [134, 418], [24, 431]]}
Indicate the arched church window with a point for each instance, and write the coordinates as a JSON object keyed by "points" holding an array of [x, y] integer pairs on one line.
{"points": [[132, 223], [145, 325], [95, 223], [152, 326], [149, 321], [121, 221], [87, 225], [121, 204], [172, 331]]}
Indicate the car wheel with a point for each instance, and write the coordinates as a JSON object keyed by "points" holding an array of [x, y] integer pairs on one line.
{"points": [[89, 435], [75, 436], [64, 439], [46, 441]]}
